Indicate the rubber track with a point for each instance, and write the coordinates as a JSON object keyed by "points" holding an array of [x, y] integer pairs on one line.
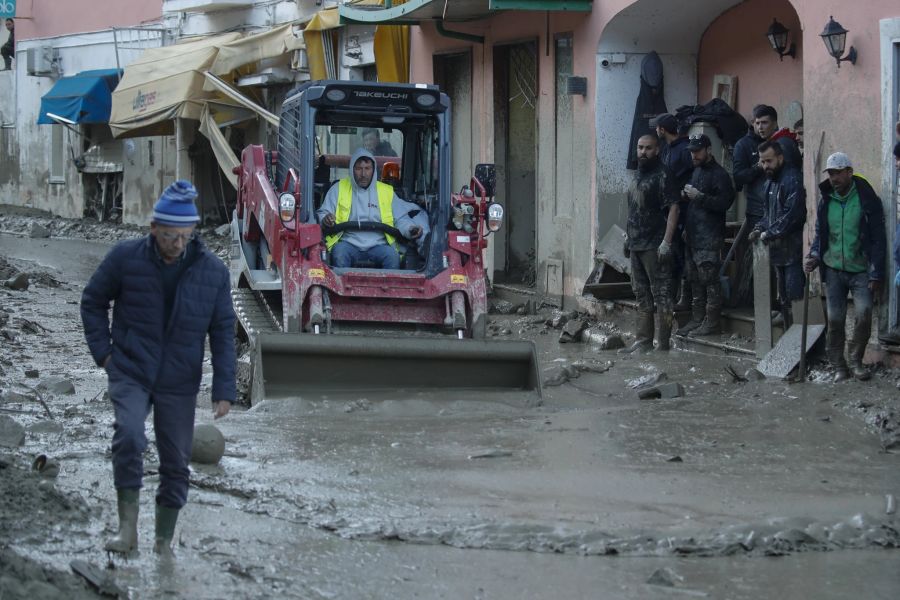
{"points": [[254, 313]]}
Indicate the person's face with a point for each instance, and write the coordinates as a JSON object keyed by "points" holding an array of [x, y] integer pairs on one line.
{"points": [[698, 157], [771, 162], [840, 179], [370, 140], [363, 171], [171, 241], [897, 162], [647, 149], [799, 133], [764, 127], [660, 132], [9, 25]]}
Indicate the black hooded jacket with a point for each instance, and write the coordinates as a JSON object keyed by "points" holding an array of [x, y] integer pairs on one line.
{"points": [[705, 222]]}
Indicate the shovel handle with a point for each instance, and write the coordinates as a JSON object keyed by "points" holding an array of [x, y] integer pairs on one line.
{"points": [[802, 368]]}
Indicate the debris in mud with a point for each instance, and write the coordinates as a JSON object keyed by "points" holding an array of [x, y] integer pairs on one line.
{"points": [[735, 378], [22, 577], [99, 579], [57, 385], [752, 374], [502, 307], [565, 371], [603, 341], [665, 577], [572, 331], [38, 231], [12, 433], [647, 380], [492, 453], [890, 505], [675, 459], [666, 390], [18, 282]]}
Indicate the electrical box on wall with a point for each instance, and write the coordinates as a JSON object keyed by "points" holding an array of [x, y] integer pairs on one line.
{"points": [[41, 61]]}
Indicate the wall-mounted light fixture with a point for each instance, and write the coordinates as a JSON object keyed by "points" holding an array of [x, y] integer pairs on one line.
{"points": [[835, 38], [778, 38]]}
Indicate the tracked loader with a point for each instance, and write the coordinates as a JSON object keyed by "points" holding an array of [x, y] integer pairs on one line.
{"points": [[316, 328]]}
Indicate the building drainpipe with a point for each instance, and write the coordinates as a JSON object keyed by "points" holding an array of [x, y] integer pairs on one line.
{"points": [[457, 35]]}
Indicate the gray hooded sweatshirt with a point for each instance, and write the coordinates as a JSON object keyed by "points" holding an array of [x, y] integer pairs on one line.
{"points": [[364, 207]]}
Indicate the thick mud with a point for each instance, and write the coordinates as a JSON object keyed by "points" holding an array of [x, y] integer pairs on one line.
{"points": [[731, 490]]}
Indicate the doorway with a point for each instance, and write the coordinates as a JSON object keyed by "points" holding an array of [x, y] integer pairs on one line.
{"points": [[453, 74], [515, 153]]}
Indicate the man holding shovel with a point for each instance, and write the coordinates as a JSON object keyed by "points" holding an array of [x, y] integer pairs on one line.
{"points": [[781, 225]]}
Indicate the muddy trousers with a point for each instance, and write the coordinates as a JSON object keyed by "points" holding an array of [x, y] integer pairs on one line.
{"points": [[651, 282], [703, 268], [837, 285], [173, 422]]}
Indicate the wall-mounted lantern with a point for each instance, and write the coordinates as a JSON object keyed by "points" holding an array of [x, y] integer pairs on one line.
{"points": [[835, 38], [778, 38]]}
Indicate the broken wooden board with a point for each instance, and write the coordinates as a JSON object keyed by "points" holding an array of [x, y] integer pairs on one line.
{"points": [[99, 579], [605, 283], [762, 299], [785, 356]]}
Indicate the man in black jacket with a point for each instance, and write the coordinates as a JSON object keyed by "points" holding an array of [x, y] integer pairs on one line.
{"points": [[675, 155], [709, 194], [652, 217], [748, 174], [781, 227], [168, 293], [849, 248]]}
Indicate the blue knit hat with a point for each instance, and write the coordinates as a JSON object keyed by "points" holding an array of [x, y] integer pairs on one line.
{"points": [[175, 207]]}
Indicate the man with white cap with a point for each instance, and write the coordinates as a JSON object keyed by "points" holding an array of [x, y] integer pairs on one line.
{"points": [[169, 292], [849, 247]]}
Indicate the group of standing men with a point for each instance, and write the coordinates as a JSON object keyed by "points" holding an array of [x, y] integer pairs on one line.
{"points": [[677, 203]]}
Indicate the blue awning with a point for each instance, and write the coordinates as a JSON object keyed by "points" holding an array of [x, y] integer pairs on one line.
{"points": [[82, 98]]}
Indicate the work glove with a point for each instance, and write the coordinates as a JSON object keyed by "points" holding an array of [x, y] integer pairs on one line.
{"points": [[897, 279], [810, 264], [626, 251], [692, 193], [754, 235], [664, 252], [764, 237]]}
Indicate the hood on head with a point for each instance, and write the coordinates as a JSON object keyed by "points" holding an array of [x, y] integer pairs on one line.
{"points": [[360, 153]]}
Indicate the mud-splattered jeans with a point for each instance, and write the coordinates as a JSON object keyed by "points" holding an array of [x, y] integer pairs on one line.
{"points": [[837, 284]]}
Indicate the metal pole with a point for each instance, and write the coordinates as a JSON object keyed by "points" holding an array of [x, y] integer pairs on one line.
{"points": [[802, 369]]}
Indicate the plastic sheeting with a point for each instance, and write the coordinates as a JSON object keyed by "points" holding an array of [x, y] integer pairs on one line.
{"points": [[82, 98]]}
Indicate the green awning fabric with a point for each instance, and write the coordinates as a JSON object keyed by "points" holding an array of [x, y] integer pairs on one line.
{"points": [[416, 11]]}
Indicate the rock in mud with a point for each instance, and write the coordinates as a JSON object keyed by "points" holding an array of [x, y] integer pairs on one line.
{"points": [[32, 373], [753, 375], [648, 380], [603, 341], [18, 282], [12, 434], [57, 385], [561, 374], [584, 366], [4, 317], [208, 446], [503, 307], [572, 331], [18, 397], [38, 231], [665, 577]]}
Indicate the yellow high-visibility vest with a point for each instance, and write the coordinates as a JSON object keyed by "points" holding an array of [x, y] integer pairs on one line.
{"points": [[345, 198]]}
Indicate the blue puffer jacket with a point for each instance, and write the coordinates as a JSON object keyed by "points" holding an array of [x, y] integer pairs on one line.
{"points": [[167, 359]]}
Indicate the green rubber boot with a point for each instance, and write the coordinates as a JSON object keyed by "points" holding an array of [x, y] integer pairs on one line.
{"points": [[166, 518], [129, 505]]}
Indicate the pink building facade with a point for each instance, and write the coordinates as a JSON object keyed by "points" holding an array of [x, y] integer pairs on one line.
{"points": [[561, 157], [48, 18]]}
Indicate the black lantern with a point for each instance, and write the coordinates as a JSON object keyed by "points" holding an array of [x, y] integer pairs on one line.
{"points": [[778, 38], [835, 38]]}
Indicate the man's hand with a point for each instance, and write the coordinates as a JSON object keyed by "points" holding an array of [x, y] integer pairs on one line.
{"points": [[811, 264], [875, 285], [691, 192], [664, 252], [897, 279], [764, 237], [415, 232], [221, 408], [754, 235], [328, 220]]}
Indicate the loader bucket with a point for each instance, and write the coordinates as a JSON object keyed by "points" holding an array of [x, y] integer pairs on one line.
{"points": [[290, 365]]}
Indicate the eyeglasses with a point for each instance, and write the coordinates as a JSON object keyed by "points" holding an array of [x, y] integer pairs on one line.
{"points": [[169, 236]]}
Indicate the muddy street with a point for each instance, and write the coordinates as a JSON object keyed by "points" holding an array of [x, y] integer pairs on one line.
{"points": [[727, 489]]}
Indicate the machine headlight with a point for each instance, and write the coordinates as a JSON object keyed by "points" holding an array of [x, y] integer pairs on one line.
{"points": [[287, 204], [336, 95], [495, 217], [426, 100]]}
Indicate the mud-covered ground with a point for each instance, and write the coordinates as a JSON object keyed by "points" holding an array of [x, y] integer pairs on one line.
{"points": [[735, 489]]}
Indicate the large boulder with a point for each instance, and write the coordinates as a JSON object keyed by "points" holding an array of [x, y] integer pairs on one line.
{"points": [[209, 445]]}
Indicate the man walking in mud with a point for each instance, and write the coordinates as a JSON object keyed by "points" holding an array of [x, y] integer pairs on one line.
{"points": [[652, 219], [849, 247], [168, 292], [708, 195]]}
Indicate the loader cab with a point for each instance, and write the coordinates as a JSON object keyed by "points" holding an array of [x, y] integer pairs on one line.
{"points": [[323, 123]]}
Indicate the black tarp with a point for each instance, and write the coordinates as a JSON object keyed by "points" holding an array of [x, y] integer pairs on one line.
{"points": [[650, 102]]}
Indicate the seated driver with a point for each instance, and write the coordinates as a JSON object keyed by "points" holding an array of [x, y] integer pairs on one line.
{"points": [[362, 198]]}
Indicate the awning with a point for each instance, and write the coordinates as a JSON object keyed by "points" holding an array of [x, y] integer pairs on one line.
{"points": [[268, 44], [82, 98], [164, 84], [412, 12]]}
